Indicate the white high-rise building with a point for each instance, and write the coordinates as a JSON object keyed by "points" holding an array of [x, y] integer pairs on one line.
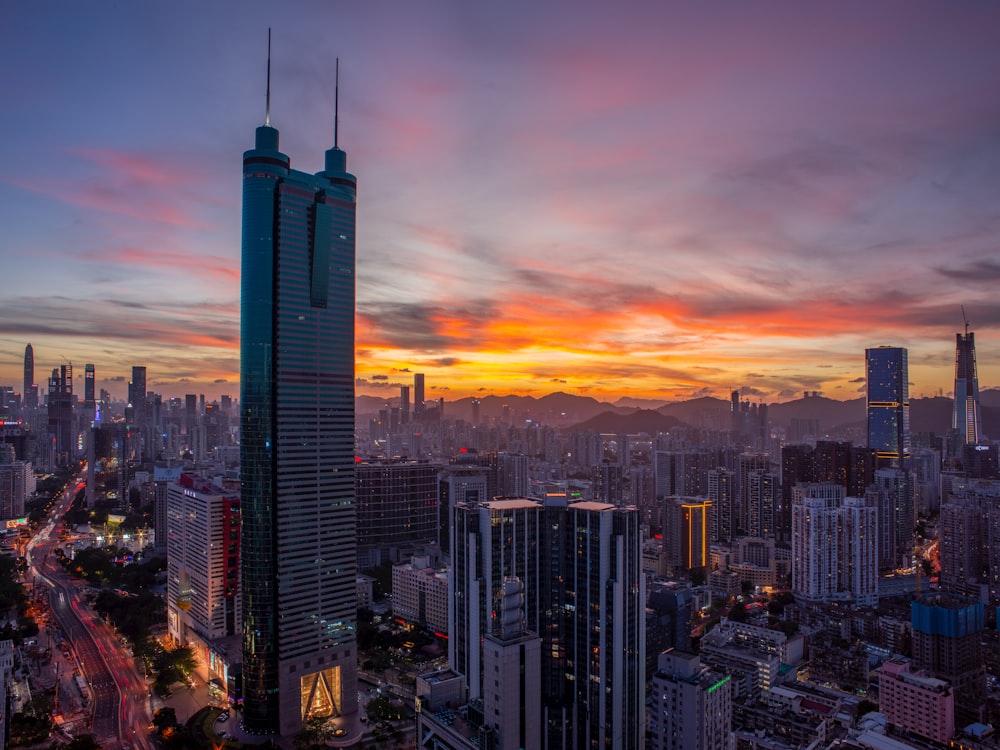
{"points": [[834, 546], [17, 483], [203, 553], [722, 491], [859, 564]]}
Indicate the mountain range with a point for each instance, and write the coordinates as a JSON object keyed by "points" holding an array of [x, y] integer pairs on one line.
{"points": [[566, 410]]}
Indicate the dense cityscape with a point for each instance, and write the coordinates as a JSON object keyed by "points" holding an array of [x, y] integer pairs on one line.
{"points": [[331, 556]]}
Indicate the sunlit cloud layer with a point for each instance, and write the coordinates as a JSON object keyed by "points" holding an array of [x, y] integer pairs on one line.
{"points": [[611, 200]]}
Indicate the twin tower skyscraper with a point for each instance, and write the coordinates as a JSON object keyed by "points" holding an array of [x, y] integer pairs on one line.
{"points": [[297, 438]]}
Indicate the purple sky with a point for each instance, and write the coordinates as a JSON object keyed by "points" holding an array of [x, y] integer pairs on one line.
{"points": [[600, 198]]}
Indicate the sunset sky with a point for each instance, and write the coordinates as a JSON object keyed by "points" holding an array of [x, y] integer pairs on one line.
{"points": [[608, 199]]}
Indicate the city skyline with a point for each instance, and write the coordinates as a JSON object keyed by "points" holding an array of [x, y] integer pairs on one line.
{"points": [[655, 203]]}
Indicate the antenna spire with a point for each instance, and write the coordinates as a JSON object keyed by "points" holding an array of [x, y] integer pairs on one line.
{"points": [[267, 110], [336, 104], [966, 319]]}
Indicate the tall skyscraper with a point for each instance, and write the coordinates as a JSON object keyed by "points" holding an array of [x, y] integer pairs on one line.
{"points": [[966, 419], [137, 393], [888, 404], [61, 417], [30, 395], [89, 394], [404, 404], [418, 395], [297, 438]]}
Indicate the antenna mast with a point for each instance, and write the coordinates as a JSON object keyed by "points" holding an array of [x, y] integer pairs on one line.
{"points": [[267, 111], [336, 103], [966, 319]]}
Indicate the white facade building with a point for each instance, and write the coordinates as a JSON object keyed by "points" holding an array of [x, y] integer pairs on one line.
{"points": [[203, 547], [420, 594], [835, 546]]}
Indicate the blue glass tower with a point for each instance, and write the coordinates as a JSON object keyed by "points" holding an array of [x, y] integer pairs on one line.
{"points": [[888, 404], [297, 439], [889, 435]]}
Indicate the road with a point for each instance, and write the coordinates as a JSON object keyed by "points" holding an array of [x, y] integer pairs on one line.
{"points": [[120, 713]]}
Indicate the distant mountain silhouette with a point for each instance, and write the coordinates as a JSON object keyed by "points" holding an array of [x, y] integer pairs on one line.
{"points": [[831, 414], [634, 415], [644, 420], [558, 408]]}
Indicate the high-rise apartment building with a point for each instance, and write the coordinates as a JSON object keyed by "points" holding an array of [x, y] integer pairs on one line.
{"points": [[966, 418], [297, 439], [888, 404], [747, 464], [17, 483], [834, 546], [946, 643], [722, 491], [692, 705]]}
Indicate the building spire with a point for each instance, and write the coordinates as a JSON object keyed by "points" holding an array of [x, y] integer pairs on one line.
{"points": [[336, 104], [267, 109]]}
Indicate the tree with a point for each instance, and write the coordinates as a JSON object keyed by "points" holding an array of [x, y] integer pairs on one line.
{"points": [[164, 717]]}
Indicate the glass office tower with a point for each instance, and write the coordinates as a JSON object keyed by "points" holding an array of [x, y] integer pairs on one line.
{"points": [[888, 404], [297, 440]]}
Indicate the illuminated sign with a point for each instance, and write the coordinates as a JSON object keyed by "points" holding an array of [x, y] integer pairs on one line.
{"points": [[13, 523]]}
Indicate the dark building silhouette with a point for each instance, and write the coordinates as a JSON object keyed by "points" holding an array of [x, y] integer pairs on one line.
{"points": [[61, 414], [29, 398], [966, 418]]}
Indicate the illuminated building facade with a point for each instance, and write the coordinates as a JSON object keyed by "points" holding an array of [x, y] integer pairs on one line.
{"points": [[888, 404], [297, 439], [686, 532], [203, 551]]}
